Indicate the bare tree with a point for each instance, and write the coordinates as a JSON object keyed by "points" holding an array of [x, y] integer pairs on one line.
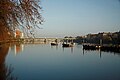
{"points": [[22, 14]]}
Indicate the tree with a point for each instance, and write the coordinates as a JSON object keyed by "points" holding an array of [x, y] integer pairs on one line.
{"points": [[19, 14]]}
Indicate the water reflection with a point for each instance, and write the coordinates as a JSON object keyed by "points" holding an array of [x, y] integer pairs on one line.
{"points": [[47, 62], [5, 70], [17, 48], [100, 52], [71, 49], [56, 46]]}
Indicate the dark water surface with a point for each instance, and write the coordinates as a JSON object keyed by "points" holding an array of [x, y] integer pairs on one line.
{"points": [[46, 62]]}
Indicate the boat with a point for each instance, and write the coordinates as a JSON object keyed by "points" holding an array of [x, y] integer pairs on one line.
{"points": [[67, 45], [54, 43]]}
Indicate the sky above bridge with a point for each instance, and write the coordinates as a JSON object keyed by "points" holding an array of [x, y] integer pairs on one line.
{"points": [[79, 17]]}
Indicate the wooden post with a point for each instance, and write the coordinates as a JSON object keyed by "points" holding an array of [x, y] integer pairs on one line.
{"points": [[100, 42]]}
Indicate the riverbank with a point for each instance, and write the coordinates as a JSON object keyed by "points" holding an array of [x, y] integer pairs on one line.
{"points": [[107, 48]]}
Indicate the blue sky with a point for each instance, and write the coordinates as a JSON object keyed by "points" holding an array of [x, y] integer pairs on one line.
{"points": [[79, 17]]}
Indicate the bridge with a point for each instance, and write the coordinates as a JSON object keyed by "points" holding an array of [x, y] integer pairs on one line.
{"points": [[36, 40]]}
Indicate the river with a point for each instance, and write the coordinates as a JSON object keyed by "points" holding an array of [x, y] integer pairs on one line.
{"points": [[46, 62]]}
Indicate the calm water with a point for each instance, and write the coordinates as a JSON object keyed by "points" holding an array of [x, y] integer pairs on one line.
{"points": [[46, 62]]}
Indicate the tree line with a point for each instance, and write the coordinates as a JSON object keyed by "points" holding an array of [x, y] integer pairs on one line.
{"points": [[19, 14]]}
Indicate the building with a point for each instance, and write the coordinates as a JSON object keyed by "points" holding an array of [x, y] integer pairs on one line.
{"points": [[18, 34]]}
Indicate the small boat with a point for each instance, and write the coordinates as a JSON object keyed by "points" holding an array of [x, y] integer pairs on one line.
{"points": [[67, 45], [53, 43]]}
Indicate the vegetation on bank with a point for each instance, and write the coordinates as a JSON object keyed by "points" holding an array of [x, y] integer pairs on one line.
{"points": [[24, 15], [104, 37]]}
